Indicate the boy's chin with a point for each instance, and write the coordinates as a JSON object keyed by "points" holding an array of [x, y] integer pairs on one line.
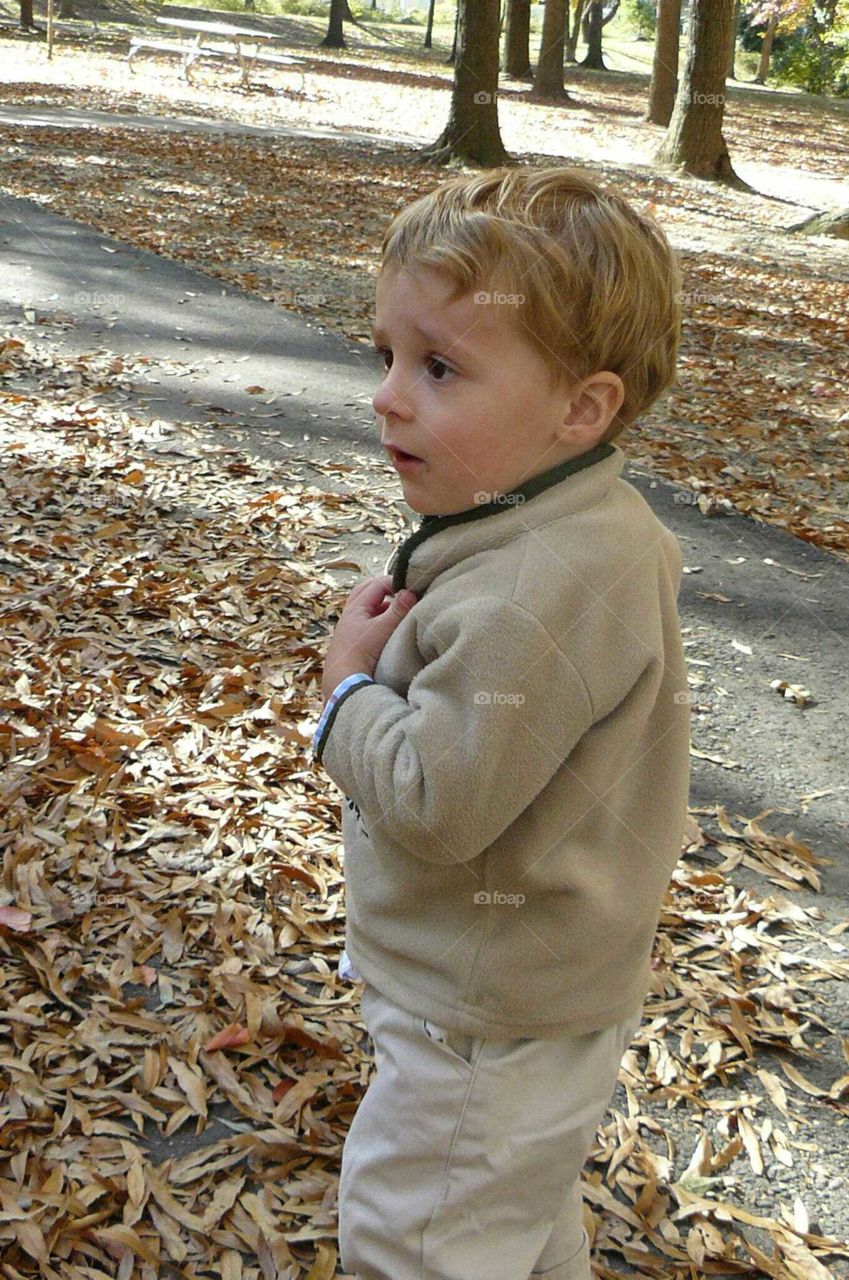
{"points": [[425, 506]]}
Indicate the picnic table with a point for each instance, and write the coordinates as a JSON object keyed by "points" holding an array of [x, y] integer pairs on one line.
{"points": [[221, 40]]}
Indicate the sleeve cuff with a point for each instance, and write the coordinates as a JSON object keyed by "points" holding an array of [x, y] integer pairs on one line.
{"points": [[341, 691]]}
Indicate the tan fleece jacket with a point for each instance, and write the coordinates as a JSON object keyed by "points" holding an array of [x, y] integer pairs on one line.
{"points": [[516, 778]]}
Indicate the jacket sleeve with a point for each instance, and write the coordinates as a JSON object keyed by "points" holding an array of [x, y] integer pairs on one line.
{"points": [[484, 727]]}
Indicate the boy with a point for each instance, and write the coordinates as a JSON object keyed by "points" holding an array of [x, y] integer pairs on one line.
{"points": [[507, 715]]}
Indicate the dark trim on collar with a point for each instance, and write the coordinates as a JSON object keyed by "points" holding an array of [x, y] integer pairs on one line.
{"points": [[433, 524]]}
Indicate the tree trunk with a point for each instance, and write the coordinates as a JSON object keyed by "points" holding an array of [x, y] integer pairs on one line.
{"points": [[26, 15], [548, 81], [766, 50], [335, 38], [694, 141], [664, 76], [471, 135], [452, 57], [428, 40], [595, 23], [572, 38], [517, 58], [735, 27], [66, 9]]}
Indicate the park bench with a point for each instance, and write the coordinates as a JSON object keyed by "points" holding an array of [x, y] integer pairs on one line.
{"points": [[214, 40]]}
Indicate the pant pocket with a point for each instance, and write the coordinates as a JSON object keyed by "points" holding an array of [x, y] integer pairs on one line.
{"points": [[460, 1048]]}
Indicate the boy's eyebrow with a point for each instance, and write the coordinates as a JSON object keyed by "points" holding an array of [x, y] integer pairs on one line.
{"points": [[440, 343]]}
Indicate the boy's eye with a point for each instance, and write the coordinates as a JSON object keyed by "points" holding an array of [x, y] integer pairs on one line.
{"points": [[437, 368]]}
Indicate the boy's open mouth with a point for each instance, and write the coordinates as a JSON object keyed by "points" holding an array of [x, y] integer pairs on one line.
{"points": [[401, 454]]}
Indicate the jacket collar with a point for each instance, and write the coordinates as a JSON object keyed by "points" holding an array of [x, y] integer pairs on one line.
{"points": [[442, 541]]}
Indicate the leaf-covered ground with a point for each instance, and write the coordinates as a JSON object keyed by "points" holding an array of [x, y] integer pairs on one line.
{"points": [[171, 909]]}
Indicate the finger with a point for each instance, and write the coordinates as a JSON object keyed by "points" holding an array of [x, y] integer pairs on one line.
{"points": [[370, 584], [372, 592], [403, 601]]}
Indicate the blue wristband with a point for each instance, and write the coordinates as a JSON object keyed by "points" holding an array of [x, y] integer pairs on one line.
{"points": [[350, 682]]}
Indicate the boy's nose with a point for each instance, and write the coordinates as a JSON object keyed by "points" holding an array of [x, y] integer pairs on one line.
{"points": [[390, 398]]}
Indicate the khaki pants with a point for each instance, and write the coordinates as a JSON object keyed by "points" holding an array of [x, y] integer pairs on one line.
{"points": [[463, 1160]]}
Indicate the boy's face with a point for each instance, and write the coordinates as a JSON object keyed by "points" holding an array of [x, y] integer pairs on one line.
{"points": [[465, 392]]}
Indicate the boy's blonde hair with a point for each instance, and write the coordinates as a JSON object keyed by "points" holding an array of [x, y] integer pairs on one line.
{"points": [[599, 284]]}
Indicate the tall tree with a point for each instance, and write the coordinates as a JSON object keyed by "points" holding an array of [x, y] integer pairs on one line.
{"points": [[694, 141], [335, 38], [766, 46], [596, 20], [572, 37], [452, 57], [735, 27], [27, 23], [664, 76], [472, 135], [517, 58], [428, 40], [548, 81]]}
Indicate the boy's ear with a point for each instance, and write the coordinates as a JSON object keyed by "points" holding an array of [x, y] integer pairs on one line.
{"points": [[592, 406]]}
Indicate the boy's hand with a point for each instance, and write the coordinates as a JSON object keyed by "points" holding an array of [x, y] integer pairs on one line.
{"points": [[367, 621]]}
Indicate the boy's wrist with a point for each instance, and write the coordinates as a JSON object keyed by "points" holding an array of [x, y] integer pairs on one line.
{"points": [[332, 679]]}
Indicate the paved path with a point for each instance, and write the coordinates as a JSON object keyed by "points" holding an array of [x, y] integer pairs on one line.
{"points": [[62, 117]]}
